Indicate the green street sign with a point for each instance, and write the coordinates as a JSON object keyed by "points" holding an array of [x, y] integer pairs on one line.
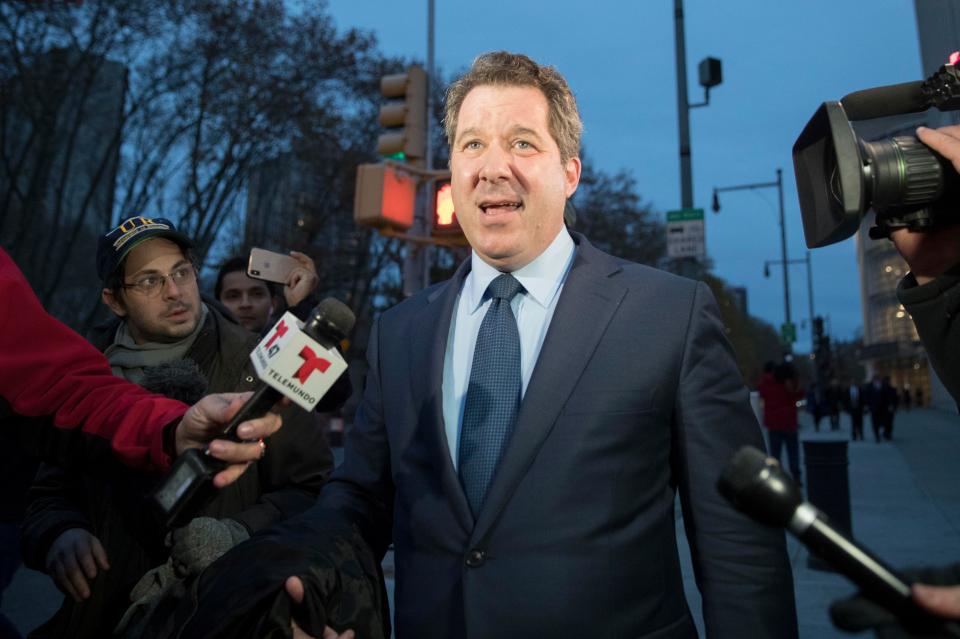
{"points": [[685, 215], [788, 333]]}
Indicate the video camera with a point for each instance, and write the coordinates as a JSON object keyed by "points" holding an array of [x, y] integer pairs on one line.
{"points": [[841, 176]]}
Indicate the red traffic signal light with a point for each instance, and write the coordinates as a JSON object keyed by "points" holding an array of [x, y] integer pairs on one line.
{"points": [[444, 216], [384, 197], [446, 227]]}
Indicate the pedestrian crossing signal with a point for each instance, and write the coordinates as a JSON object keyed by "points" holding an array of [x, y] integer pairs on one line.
{"points": [[444, 216]]}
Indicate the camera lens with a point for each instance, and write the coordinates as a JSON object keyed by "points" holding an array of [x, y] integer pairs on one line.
{"points": [[901, 172]]}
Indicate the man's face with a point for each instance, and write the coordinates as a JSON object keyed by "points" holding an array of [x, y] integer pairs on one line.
{"points": [[248, 299], [509, 185], [172, 310]]}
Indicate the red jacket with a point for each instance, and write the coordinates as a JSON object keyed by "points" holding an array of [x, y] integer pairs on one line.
{"points": [[46, 369], [779, 404]]}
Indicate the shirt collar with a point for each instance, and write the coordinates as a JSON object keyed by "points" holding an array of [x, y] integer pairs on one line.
{"points": [[541, 278]]}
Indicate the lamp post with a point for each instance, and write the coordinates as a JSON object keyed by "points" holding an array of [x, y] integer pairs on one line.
{"points": [[806, 260], [783, 234]]}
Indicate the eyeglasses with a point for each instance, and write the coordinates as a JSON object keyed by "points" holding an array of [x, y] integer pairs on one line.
{"points": [[151, 285]]}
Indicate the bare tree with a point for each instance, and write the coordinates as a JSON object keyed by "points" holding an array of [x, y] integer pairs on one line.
{"points": [[200, 93]]}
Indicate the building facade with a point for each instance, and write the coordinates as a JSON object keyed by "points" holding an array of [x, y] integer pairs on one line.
{"points": [[891, 345]]}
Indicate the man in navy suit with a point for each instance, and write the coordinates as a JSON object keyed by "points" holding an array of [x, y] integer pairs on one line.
{"points": [[610, 387]]}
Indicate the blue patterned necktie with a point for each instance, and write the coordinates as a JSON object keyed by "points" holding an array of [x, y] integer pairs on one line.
{"points": [[493, 395]]}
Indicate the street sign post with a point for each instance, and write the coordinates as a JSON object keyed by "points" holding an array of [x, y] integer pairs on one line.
{"points": [[685, 233], [788, 333]]}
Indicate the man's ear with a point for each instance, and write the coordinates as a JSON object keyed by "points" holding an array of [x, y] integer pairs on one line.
{"points": [[113, 302]]}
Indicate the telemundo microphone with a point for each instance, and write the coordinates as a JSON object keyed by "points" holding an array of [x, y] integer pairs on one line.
{"points": [[297, 360], [757, 486]]}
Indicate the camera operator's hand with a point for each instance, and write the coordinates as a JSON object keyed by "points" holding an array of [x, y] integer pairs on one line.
{"points": [[930, 253], [301, 281]]}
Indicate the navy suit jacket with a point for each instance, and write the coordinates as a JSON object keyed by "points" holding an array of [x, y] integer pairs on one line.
{"points": [[635, 397]]}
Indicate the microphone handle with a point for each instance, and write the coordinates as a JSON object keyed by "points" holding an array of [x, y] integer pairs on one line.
{"points": [[189, 484], [877, 579], [258, 404]]}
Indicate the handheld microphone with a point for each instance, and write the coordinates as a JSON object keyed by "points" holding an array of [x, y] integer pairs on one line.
{"points": [[300, 362], [757, 486]]}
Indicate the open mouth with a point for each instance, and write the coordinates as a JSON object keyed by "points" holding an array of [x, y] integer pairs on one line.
{"points": [[491, 207]]}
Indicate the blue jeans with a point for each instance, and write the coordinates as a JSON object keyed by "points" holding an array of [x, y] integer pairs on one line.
{"points": [[777, 439]]}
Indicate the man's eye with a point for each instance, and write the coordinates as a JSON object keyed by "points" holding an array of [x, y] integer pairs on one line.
{"points": [[473, 145], [149, 281], [523, 145], [231, 296], [257, 294]]}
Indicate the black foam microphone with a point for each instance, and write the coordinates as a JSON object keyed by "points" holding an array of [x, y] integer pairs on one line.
{"points": [[286, 360], [180, 379], [879, 102], [756, 485]]}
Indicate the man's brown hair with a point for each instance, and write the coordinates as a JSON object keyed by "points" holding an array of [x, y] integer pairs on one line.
{"points": [[501, 68]]}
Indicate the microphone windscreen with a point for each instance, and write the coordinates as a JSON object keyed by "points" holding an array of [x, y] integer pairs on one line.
{"points": [[756, 485], [335, 316], [180, 379], [894, 99], [741, 471]]}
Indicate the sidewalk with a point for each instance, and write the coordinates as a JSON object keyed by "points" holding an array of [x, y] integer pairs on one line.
{"points": [[905, 508]]}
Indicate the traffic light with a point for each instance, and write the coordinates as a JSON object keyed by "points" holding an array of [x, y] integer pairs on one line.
{"points": [[818, 332], [384, 198], [446, 227], [444, 217], [405, 116]]}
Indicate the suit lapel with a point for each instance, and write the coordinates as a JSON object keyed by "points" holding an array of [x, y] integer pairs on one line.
{"points": [[587, 303], [428, 348]]}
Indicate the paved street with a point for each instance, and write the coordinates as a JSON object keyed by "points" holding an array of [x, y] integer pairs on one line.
{"points": [[905, 505]]}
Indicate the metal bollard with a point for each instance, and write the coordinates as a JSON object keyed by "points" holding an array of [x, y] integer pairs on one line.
{"points": [[828, 486]]}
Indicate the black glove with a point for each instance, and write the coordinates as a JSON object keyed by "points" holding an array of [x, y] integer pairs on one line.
{"points": [[242, 595], [859, 613]]}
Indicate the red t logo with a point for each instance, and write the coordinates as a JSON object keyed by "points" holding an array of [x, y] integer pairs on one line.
{"points": [[281, 330], [312, 363]]}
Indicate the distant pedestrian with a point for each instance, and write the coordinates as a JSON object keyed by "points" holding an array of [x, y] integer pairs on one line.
{"points": [[815, 407], [833, 402], [905, 399], [780, 392], [893, 402], [882, 401], [918, 397], [853, 402]]}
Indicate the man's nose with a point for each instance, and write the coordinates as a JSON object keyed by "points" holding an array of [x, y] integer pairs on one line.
{"points": [[170, 289], [496, 164], [245, 301]]}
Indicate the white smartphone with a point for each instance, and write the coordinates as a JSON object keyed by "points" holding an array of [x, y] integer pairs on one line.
{"points": [[270, 266]]}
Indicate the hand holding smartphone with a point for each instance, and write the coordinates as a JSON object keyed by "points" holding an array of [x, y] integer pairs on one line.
{"points": [[269, 266]]}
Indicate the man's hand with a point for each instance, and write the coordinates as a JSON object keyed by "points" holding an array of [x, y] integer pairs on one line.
{"points": [[301, 281], [73, 560], [943, 601], [294, 588], [207, 418], [930, 253]]}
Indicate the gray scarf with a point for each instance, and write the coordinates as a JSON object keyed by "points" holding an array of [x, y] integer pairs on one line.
{"points": [[128, 359]]}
